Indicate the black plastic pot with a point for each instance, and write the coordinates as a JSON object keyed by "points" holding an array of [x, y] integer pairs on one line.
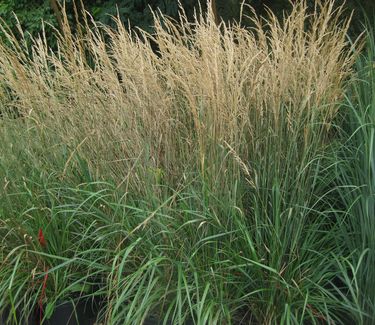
{"points": [[155, 321], [5, 316], [83, 312], [69, 313]]}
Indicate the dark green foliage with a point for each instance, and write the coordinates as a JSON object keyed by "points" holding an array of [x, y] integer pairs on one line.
{"points": [[133, 12], [30, 14], [137, 13]]}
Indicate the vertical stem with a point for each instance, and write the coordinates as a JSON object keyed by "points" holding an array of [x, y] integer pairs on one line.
{"points": [[214, 11], [56, 9]]}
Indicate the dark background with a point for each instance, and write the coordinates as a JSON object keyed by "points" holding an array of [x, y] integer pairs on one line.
{"points": [[137, 12]]}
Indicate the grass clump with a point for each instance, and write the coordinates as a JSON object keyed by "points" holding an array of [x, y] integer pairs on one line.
{"points": [[190, 183], [355, 183]]}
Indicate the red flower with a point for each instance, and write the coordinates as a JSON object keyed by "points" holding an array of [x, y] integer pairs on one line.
{"points": [[41, 238]]}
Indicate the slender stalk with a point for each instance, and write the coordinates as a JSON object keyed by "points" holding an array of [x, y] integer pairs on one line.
{"points": [[58, 14]]}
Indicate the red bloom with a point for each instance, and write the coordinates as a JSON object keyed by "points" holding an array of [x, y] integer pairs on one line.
{"points": [[41, 238]]}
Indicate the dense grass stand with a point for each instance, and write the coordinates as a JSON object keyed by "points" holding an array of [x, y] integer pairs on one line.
{"points": [[206, 182]]}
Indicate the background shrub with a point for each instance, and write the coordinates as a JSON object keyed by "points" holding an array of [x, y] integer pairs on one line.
{"points": [[137, 13]]}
